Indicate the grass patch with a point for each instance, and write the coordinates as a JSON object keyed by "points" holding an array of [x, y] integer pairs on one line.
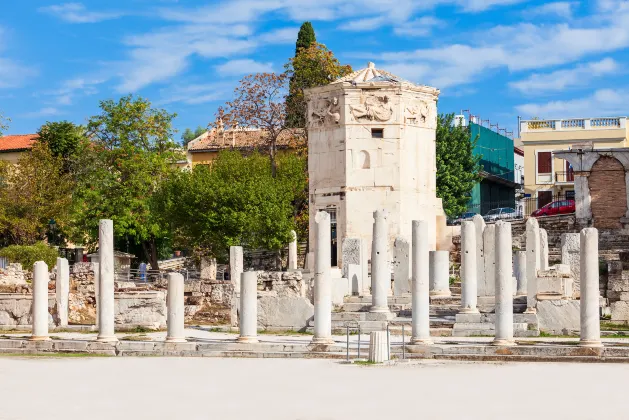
{"points": [[141, 337], [549, 335], [284, 332], [610, 326], [364, 363], [481, 335]]}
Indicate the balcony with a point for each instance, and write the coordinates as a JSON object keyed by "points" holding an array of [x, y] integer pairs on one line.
{"points": [[573, 124], [564, 177]]}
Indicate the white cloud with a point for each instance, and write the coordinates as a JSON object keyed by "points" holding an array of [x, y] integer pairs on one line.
{"points": [[194, 93], [482, 5], [559, 80], [418, 27], [279, 36], [69, 89], [243, 66], [77, 13], [43, 112], [561, 9], [602, 103], [14, 74], [365, 24]]}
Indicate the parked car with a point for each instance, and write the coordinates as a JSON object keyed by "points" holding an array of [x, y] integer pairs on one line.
{"points": [[556, 207], [462, 218], [500, 214]]}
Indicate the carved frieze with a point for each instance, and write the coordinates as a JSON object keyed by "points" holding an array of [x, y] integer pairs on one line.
{"points": [[373, 107], [324, 111], [420, 115]]}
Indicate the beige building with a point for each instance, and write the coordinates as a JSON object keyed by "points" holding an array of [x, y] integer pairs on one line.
{"points": [[12, 146], [547, 176]]}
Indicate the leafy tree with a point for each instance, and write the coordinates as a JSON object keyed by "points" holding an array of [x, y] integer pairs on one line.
{"points": [[33, 193], [4, 123], [258, 103], [28, 255], [236, 201], [188, 135], [130, 154], [305, 37], [457, 167], [312, 66], [64, 139]]}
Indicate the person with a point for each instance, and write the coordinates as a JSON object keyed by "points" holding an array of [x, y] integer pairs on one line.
{"points": [[143, 271]]}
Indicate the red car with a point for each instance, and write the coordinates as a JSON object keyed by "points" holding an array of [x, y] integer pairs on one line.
{"points": [[556, 207]]}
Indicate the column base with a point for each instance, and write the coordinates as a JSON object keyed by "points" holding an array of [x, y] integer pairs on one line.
{"points": [[379, 309], [503, 343], [468, 311], [250, 340], [107, 339], [590, 343], [39, 338], [322, 340], [175, 340], [422, 341], [530, 310]]}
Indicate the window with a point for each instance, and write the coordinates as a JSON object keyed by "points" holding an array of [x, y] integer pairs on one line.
{"points": [[377, 133], [544, 162], [570, 195]]}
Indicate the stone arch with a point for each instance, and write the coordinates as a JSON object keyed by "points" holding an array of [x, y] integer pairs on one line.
{"points": [[608, 191], [364, 160]]}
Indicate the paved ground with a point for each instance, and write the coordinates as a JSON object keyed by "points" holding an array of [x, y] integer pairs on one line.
{"points": [[277, 389]]}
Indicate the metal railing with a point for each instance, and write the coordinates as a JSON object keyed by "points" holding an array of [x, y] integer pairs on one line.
{"points": [[564, 176]]}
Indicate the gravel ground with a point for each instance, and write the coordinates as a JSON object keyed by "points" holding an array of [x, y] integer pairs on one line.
{"points": [[277, 389]]}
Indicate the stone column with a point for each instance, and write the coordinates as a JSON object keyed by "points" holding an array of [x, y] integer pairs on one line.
{"points": [[583, 200], [105, 304], [401, 266], [96, 268], [479, 226], [421, 283], [468, 269], [486, 285], [520, 272], [322, 281], [292, 252], [543, 249], [40, 302], [439, 273], [62, 291], [248, 307], [532, 264], [590, 317], [175, 307], [235, 266], [379, 351], [380, 271], [504, 285]]}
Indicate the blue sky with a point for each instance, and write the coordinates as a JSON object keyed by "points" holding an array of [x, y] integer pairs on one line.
{"points": [[498, 58]]}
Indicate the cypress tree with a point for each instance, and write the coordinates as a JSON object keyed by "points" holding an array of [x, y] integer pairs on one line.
{"points": [[305, 37]]}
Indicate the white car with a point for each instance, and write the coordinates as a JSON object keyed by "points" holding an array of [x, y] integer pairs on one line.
{"points": [[500, 214]]}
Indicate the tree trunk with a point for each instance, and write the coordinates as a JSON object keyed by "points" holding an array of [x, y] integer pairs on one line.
{"points": [[272, 156], [150, 251]]}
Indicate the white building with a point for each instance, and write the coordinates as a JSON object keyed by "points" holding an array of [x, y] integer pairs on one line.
{"points": [[371, 145]]}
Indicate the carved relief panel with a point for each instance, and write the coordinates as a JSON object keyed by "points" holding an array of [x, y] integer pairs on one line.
{"points": [[372, 107], [421, 114], [323, 111]]}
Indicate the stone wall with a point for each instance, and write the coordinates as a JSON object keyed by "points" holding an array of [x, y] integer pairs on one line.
{"points": [[12, 275], [618, 288]]}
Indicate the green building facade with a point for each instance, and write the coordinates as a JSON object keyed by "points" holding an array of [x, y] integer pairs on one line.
{"points": [[497, 187]]}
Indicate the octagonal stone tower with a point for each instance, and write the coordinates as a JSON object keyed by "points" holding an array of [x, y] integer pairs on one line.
{"points": [[371, 145]]}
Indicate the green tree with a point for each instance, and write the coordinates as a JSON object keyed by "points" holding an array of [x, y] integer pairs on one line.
{"points": [[457, 167], [64, 139], [236, 201], [312, 66], [188, 135], [130, 155], [4, 123], [33, 193], [305, 38]]}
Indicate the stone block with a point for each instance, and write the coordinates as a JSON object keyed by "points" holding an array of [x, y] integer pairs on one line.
{"points": [[554, 316], [291, 313], [620, 311], [401, 266], [340, 288], [192, 286]]}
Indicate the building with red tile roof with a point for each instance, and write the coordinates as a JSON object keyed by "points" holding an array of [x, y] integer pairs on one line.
{"points": [[13, 145]]}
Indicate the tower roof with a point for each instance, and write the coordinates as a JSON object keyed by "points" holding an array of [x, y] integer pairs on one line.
{"points": [[371, 74]]}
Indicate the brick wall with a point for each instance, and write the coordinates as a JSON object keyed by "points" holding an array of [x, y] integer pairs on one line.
{"points": [[608, 192]]}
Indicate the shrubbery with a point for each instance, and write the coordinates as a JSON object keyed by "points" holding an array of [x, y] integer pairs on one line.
{"points": [[27, 255]]}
